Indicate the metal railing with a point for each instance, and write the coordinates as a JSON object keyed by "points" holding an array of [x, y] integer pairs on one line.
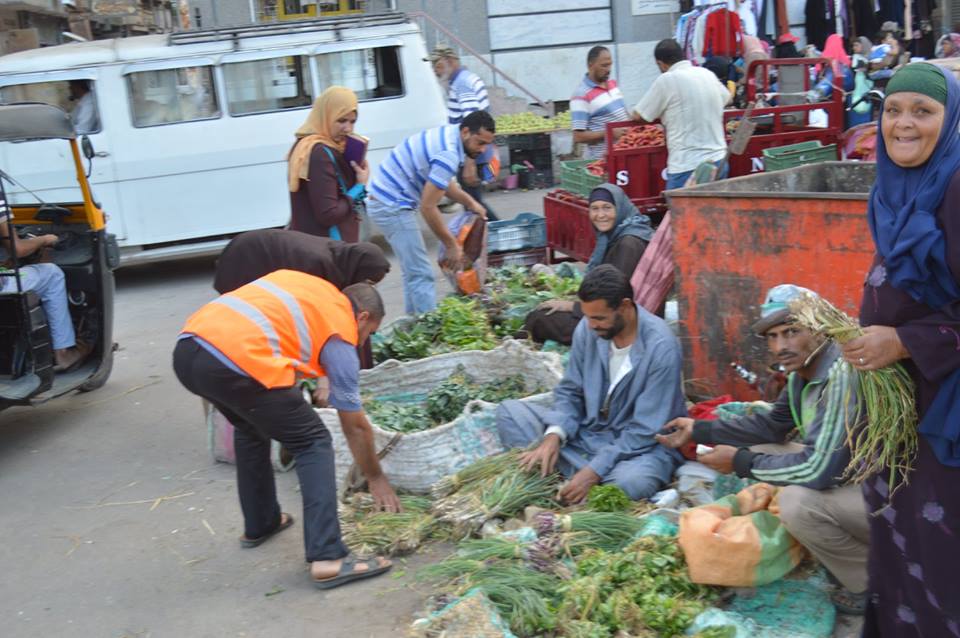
{"points": [[424, 19]]}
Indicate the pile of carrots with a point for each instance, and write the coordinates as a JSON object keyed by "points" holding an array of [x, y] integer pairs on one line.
{"points": [[640, 136]]}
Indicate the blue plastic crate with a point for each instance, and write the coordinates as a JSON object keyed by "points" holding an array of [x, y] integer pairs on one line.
{"points": [[528, 230]]}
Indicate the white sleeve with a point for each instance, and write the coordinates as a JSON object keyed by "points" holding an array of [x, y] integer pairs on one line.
{"points": [[556, 429]]}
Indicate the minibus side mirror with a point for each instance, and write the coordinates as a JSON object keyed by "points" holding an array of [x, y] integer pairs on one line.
{"points": [[87, 147]]}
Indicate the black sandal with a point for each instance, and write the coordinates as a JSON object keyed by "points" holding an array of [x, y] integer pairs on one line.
{"points": [[248, 543], [348, 574]]}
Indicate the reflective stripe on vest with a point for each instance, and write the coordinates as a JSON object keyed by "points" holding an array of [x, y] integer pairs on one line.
{"points": [[256, 326], [257, 317], [293, 306]]}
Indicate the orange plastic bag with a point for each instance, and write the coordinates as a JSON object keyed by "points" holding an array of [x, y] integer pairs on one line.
{"points": [[739, 540], [470, 232]]}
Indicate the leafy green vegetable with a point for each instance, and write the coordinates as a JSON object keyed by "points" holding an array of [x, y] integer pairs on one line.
{"points": [[445, 402], [475, 323], [607, 498]]}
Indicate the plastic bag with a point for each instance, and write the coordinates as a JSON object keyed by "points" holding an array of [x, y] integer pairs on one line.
{"points": [[470, 232], [739, 540]]}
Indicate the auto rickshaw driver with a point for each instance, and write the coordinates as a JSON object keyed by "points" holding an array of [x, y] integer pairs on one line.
{"points": [[47, 281]]}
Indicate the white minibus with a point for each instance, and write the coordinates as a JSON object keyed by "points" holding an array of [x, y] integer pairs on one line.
{"points": [[191, 130]]}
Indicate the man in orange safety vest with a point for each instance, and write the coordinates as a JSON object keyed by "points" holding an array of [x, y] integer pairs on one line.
{"points": [[244, 352]]}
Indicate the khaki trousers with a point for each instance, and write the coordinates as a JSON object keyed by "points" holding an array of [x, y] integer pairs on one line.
{"points": [[832, 524]]}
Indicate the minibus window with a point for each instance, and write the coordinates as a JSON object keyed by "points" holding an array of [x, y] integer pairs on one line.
{"points": [[172, 95], [268, 85], [371, 73], [76, 97]]}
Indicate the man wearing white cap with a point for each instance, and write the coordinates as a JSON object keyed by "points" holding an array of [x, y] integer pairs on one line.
{"points": [[823, 512]]}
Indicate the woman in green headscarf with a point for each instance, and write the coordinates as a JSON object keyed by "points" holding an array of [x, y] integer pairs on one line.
{"points": [[911, 310]]}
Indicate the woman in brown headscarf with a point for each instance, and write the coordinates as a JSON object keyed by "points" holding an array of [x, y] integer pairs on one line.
{"points": [[323, 185], [252, 255]]}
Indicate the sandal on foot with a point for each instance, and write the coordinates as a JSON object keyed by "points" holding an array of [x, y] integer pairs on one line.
{"points": [[847, 602], [348, 574], [285, 521]]}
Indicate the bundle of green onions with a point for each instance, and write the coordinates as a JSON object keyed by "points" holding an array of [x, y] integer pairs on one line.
{"points": [[608, 531], [503, 495], [522, 596], [369, 532], [888, 438], [477, 472]]}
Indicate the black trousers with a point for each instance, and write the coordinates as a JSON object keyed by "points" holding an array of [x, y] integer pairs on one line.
{"points": [[259, 415]]}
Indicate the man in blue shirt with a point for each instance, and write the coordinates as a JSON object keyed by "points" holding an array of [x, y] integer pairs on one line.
{"points": [[622, 380], [417, 174]]}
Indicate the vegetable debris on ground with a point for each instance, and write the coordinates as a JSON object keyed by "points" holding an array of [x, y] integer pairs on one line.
{"points": [[445, 402], [888, 439], [368, 531], [638, 587]]}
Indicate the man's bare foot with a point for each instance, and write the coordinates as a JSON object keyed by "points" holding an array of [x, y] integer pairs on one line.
{"points": [[324, 569]]}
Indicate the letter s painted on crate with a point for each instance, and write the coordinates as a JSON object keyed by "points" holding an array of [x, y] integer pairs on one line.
{"points": [[623, 178]]}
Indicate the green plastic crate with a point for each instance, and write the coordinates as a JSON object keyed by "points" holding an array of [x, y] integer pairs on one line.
{"points": [[575, 178], [781, 157]]}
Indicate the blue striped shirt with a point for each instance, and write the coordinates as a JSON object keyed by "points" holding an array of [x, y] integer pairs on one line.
{"points": [[467, 94], [435, 155], [593, 106]]}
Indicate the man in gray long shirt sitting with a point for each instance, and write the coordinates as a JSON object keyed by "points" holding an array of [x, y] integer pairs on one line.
{"points": [[817, 507], [621, 384]]}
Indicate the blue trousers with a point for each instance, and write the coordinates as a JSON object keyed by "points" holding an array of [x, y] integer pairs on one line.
{"points": [[400, 227], [48, 282], [641, 476], [677, 180]]}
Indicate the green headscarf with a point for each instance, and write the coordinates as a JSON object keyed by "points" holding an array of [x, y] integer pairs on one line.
{"points": [[921, 78]]}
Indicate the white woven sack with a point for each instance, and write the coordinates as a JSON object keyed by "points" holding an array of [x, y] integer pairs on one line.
{"points": [[420, 459]]}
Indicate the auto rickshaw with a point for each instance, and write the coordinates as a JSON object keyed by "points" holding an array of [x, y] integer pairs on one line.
{"points": [[85, 252]]}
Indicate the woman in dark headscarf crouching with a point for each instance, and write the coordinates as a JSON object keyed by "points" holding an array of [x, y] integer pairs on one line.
{"points": [[252, 255], [623, 233]]}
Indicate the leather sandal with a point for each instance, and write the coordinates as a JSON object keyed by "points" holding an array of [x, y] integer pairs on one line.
{"points": [[285, 521], [348, 573]]}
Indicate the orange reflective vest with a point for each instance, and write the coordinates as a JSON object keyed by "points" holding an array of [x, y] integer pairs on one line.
{"points": [[274, 328]]}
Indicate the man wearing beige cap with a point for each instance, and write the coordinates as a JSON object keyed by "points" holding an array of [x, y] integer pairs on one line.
{"points": [[818, 507], [466, 92]]}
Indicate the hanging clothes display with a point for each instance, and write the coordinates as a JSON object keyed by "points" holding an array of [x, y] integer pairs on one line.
{"points": [[818, 22], [865, 18], [710, 30], [748, 17]]}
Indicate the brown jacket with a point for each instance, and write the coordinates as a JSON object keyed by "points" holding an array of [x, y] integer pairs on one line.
{"points": [[320, 203]]}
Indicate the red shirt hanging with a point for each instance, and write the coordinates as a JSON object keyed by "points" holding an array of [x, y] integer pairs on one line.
{"points": [[723, 34]]}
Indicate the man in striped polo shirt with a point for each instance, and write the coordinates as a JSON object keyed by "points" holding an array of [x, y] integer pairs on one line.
{"points": [[596, 102], [418, 173]]}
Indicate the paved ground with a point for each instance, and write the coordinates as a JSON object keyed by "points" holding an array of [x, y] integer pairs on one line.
{"points": [[117, 524]]}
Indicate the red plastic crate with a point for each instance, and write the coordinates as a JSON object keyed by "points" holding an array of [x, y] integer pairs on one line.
{"points": [[568, 224], [569, 230], [638, 171]]}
